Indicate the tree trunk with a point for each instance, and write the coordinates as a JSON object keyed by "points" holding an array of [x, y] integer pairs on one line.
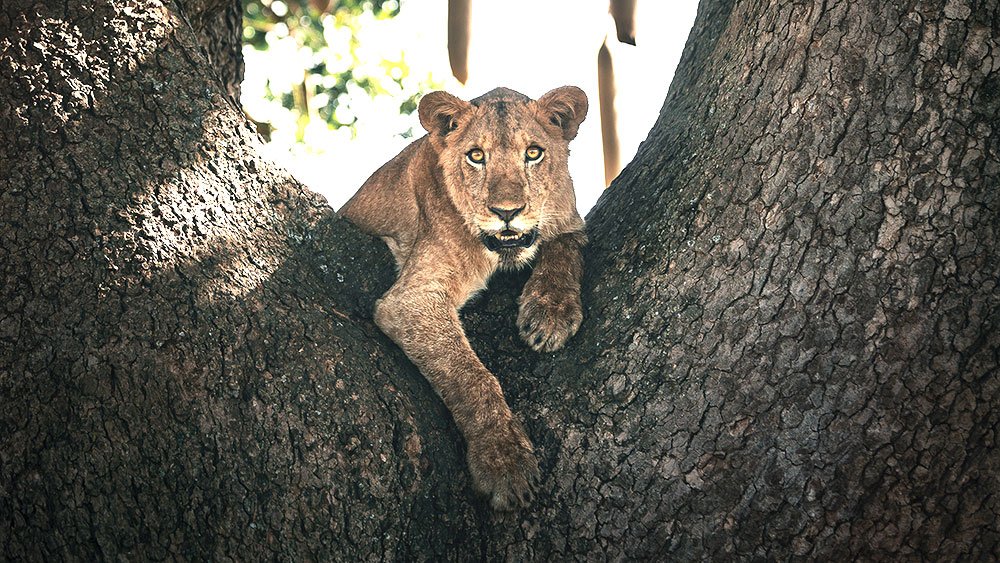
{"points": [[791, 336]]}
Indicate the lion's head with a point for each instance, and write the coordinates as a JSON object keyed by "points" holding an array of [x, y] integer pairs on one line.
{"points": [[504, 160]]}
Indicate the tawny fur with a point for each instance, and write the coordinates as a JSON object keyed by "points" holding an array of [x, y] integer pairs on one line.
{"points": [[432, 206]]}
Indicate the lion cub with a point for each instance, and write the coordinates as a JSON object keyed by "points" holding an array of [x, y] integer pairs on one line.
{"points": [[487, 188]]}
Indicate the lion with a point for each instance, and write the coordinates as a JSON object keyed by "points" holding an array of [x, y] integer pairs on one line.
{"points": [[487, 188]]}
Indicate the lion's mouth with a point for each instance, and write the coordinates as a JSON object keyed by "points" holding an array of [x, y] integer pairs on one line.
{"points": [[509, 239]]}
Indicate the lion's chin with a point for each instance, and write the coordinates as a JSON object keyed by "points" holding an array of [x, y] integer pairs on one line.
{"points": [[508, 239]]}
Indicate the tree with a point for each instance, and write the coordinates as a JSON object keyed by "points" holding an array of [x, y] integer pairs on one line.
{"points": [[790, 345]]}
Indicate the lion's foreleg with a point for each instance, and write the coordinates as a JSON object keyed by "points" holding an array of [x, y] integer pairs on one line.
{"points": [[425, 324], [550, 311]]}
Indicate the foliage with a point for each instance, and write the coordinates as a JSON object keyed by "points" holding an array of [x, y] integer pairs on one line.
{"points": [[319, 68]]}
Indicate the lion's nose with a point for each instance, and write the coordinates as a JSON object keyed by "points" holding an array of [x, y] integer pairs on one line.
{"points": [[506, 214]]}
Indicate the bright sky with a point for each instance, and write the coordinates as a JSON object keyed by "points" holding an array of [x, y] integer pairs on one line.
{"points": [[531, 46]]}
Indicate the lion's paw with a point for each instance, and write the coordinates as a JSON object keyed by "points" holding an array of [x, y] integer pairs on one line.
{"points": [[503, 466], [547, 319]]}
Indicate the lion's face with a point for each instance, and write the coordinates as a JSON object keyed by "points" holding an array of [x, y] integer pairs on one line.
{"points": [[504, 160]]}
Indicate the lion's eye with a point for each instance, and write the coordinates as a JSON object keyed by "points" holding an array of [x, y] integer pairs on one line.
{"points": [[533, 153], [476, 156]]}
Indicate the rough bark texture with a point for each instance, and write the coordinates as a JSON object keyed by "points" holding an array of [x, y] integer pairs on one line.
{"points": [[791, 337], [218, 26]]}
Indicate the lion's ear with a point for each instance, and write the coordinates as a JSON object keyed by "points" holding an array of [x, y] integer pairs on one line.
{"points": [[564, 108], [439, 112]]}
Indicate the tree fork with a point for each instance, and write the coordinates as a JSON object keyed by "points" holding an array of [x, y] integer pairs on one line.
{"points": [[790, 345]]}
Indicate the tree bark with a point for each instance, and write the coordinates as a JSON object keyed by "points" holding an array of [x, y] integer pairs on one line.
{"points": [[218, 26], [790, 346]]}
